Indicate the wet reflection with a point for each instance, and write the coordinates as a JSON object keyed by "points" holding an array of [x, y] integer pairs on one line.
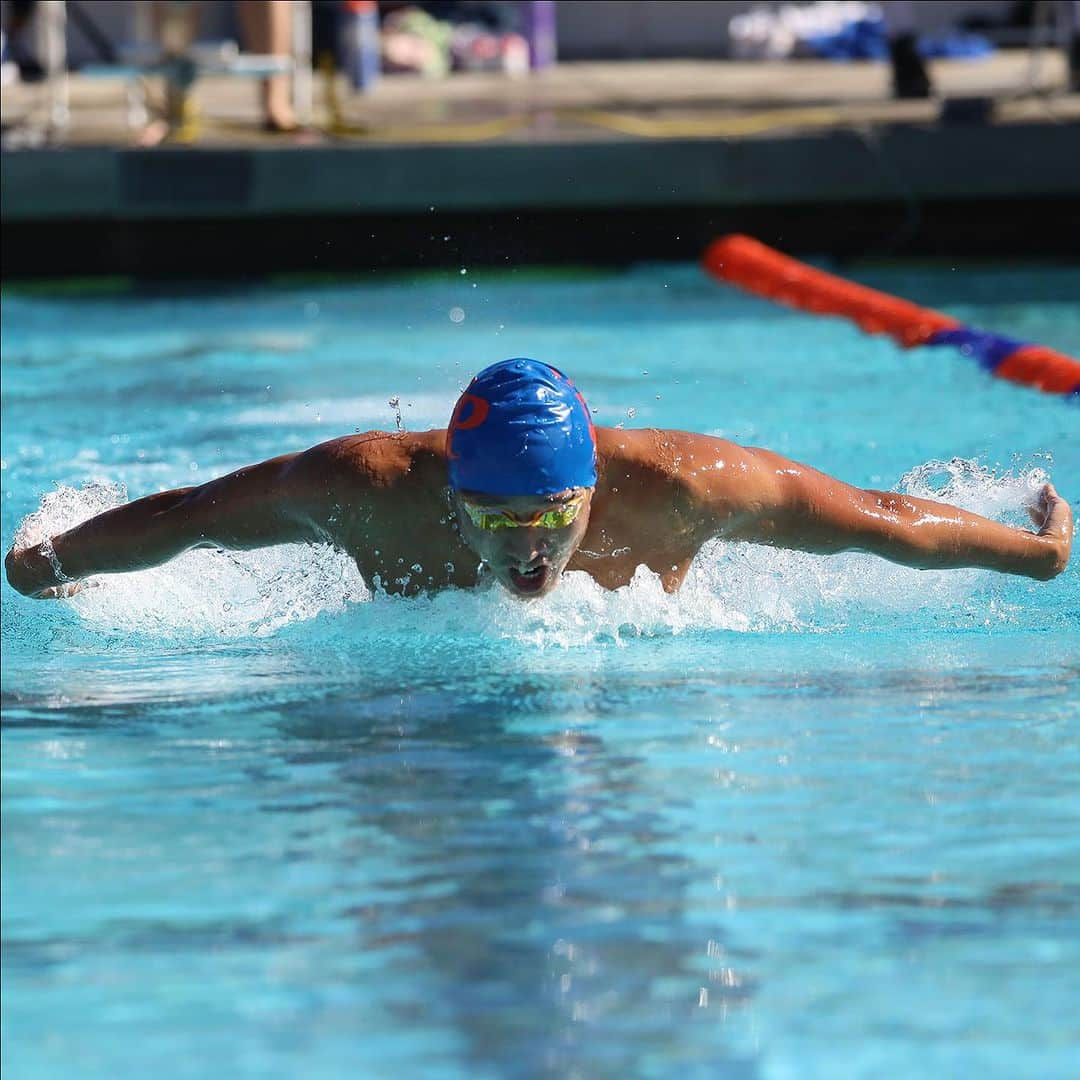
{"points": [[527, 863], [546, 893]]}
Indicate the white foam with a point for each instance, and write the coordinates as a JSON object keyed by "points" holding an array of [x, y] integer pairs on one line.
{"points": [[974, 487], [734, 587], [203, 592]]}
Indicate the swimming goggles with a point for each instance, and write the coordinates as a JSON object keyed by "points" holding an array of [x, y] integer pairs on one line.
{"points": [[492, 519]]}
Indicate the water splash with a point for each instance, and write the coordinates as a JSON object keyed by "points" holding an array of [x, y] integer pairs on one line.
{"points": [[203, 592], [66, 507], [730, 587], [967, 484]]}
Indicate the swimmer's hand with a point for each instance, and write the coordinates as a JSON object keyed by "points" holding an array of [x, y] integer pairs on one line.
{"points": [[30, 572], [59, 592], [1053, 519]]}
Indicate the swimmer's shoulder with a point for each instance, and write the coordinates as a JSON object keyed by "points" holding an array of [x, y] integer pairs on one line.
{"points": [[378, 459], [667, 452]]}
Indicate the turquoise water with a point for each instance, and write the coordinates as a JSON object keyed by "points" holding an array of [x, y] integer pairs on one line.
{"points": [[809, 818]]}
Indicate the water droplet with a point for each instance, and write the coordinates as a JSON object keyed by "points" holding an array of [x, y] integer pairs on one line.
{"points": [[457, 315]]}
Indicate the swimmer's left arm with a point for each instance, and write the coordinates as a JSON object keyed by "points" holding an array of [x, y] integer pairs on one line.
{"points": [[762, 497]]}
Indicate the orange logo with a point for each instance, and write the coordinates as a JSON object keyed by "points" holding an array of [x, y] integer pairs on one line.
{"points": [[480, 409]]}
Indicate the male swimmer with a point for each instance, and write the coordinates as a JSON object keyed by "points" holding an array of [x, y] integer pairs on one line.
{"points": [[522, 483]]}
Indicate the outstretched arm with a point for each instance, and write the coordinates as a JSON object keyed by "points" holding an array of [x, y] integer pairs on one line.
{"points": [[275, 502], [765, 498]]}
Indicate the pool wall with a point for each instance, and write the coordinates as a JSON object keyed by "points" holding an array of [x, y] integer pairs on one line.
{"points": [[1011, 189]]}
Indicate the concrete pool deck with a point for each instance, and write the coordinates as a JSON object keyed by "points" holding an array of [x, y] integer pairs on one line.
{"points": [[586, 162]]}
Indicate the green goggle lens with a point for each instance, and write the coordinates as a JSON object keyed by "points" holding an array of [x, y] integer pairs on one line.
{"points": [[495, 520]]}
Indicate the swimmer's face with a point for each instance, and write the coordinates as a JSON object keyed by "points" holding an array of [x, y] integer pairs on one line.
{"points": [[527, 556]]}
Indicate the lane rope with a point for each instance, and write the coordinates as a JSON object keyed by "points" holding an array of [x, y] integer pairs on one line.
{"points": [[759, 269]]}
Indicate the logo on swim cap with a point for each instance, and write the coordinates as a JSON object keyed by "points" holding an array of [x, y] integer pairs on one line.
{"points": [[521, 428]]}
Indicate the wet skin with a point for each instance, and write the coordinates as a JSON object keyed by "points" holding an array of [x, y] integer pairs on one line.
{"points": [[383, 498]]}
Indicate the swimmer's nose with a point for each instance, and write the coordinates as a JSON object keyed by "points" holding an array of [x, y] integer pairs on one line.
{"points": [[528, 545]]}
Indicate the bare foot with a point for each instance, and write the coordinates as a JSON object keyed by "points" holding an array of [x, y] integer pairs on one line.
{"points": [[154, 134], [284, 122], [281, 118]]}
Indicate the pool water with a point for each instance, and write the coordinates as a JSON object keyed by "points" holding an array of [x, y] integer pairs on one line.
{"points": [[809, 818]]}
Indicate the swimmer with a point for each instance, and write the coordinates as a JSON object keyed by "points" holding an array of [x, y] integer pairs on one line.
{"points": [[523, 484]]}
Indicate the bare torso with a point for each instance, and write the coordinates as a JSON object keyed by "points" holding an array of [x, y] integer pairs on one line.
{"points": [[396, 521]]}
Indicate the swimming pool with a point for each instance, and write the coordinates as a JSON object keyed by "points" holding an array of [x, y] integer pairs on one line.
{"points": [[808, 818]]}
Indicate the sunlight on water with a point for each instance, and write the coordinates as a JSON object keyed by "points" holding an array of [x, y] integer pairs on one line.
{"points": [[736, 587], [808, 817], [420, 411]]}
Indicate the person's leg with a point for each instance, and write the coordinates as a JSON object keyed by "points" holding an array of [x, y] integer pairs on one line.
{"points": [[267, 29], [19, 13], [909, 77], [175, 23], [1073, 14]]}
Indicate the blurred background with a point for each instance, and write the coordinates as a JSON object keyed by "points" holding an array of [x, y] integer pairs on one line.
{"points": [[165, 137], [806, 818]]}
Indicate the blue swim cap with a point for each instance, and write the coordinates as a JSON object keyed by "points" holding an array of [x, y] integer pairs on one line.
{"points": [[521, 428]]}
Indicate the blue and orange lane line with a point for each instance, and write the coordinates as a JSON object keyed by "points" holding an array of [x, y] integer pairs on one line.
{"points": [[759, 269]]}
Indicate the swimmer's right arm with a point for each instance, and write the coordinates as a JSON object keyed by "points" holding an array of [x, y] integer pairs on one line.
{"points": [[278, 501]]}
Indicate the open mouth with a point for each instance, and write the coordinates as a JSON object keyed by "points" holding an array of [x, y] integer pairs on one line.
{"points": [[530, 581]]}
